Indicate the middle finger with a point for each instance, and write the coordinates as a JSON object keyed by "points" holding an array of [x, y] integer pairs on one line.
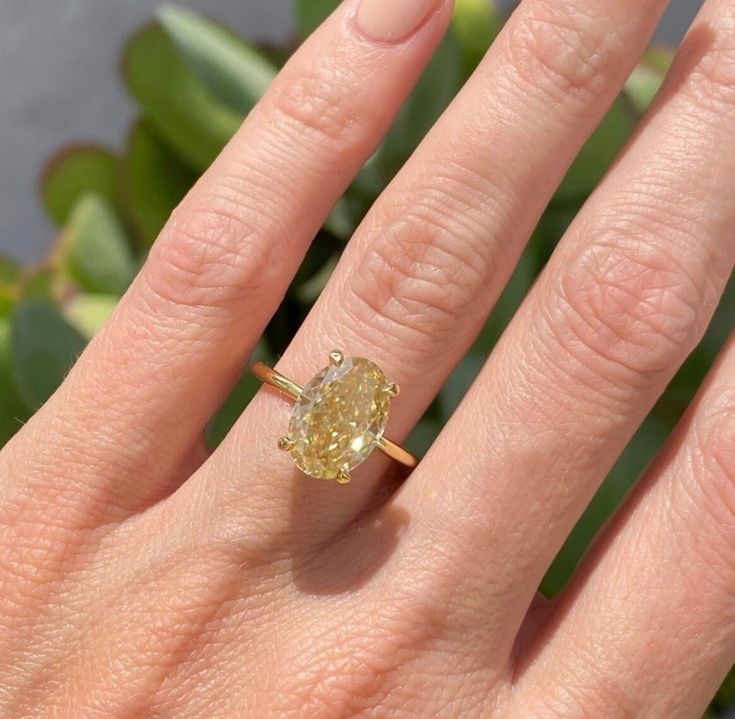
{"points": [[420, 276]]}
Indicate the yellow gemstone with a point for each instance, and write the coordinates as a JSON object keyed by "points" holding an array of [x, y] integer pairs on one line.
{"points": [[340, 418]]}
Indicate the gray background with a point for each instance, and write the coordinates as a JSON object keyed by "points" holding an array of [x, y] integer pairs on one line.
{"points": [[58, 64]]}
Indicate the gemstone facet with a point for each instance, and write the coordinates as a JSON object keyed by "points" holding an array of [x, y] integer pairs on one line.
{"points": [[340, 418]]}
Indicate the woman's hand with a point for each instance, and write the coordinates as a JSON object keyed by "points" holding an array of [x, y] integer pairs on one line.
{"points": [[141, 578]]}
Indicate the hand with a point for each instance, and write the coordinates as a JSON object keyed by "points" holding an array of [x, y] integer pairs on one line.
{"points": [[140, 577]]}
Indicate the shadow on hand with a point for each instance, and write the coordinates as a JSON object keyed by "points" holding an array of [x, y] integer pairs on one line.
{"points": [[347, 560]]}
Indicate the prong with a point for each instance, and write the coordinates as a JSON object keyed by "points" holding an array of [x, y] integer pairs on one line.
{"points": [[393, 389], [285, 444], [344, 477], [336, 358]]}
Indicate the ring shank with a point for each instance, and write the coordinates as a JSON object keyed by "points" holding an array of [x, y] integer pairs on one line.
{"points": [[288, 387], [275, 379], [396, 452]]}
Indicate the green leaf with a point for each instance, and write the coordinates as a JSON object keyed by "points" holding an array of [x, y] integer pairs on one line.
{"points": [[459, 382], [87, 313], [551, 228], [341, 221], [8, 297], [433, 93], [276, 55], [476, 24], [73, 173], [189, 118], [598, 154], [39, 282], [309, 291], [648, 76], [310, 14], [43, 347], [153, 182], [228, 67], [642, 86], [10, 270], [246, 388], [726, 694], [10, 276], [94, 248], [13, 411], [423, 436], [312, 275], [508, 303], [659, 57]]}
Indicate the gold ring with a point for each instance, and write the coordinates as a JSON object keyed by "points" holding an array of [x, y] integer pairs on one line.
{"points": [[339, 418]]}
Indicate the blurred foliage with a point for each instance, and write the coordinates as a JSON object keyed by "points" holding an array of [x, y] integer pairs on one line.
{"points": [[193, 81]]}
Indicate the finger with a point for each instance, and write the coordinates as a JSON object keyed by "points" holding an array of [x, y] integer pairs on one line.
{"points": [[651, 613], [419, 277], [625, 298], [138, 399]]}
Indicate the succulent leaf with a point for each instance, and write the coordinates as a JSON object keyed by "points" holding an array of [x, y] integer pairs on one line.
{"points": [[233, 71], [87, 313], [659, 58], [13, 411], [10, 270], [435, 90], [642, 86], [310, 14], [73, 172], [189, 118], [153, 182], [10, 277], [94, 249], [43, 347], [598, 153], [423, 435], [239, 398], [476, 24]]}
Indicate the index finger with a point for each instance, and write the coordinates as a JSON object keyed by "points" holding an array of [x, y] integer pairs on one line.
{"points": [[143, 391]]}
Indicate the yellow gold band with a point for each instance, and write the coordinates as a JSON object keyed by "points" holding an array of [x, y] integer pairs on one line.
{"points": [[288, 387]]}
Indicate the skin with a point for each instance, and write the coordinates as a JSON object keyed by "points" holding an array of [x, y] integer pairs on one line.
{"points": [[140, 577]]}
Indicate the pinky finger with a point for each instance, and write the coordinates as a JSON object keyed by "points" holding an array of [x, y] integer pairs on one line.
{"points": [[654, 605]]}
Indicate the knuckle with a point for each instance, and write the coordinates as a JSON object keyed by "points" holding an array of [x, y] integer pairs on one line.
{"points": [[718, 69], [210, 258], [350, 677], [592, 696], [629, 304], [320, 105], [419, 277], [564, 53]]}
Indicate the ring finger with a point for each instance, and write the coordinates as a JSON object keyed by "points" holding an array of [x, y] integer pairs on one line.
{"points": [[419, 277]]}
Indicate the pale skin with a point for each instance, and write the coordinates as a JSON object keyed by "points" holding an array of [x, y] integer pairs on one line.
{"points": [[141, 577]]}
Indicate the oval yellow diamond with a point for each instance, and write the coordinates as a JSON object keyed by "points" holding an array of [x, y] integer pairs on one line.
{"points": [[340, 418]]}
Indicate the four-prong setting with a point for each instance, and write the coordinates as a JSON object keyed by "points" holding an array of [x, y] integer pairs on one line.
{"points": [[339, 418]]}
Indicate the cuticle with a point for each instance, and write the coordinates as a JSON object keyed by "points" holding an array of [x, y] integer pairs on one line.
{"points": [[351, 20]]}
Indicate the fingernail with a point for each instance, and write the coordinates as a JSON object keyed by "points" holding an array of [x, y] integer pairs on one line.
{"points": [[393, 20]]}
